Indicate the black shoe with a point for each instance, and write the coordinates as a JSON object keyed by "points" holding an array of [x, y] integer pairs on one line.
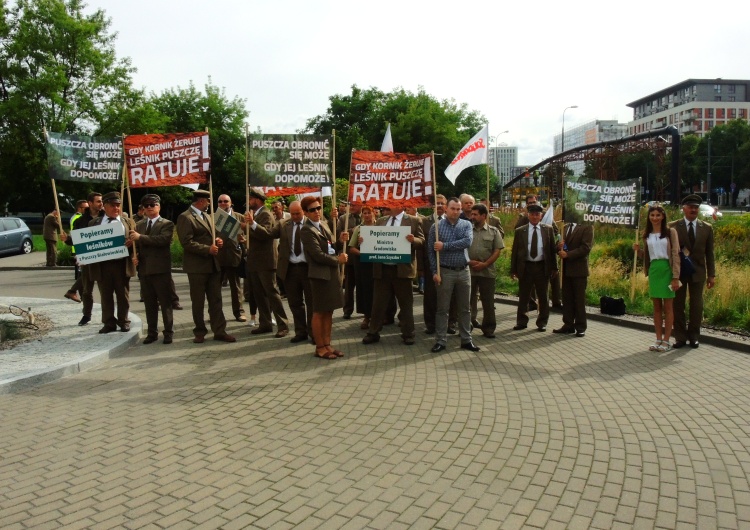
{"points": [[84, 320], [532, 306], [518, 327], [679, 344], [298, 338], [430, 331], [451, 331], [370, 339], [259, 331], [167, 340], [580, 333], [541, 328], [409, 341], [176, 306], [694, 344], [389, 321], [107, 329], [125, 328], [469, 346], [437, 348], [149, 339], [347, 316], [475, 324], [564, 330], [489, 335]]}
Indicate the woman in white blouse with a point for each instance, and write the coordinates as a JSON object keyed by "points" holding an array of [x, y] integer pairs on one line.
{"points": [[662, 266]]}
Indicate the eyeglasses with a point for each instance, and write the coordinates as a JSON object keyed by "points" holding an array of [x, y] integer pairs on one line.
{"points": [[220, 202], [149, 205], [316, 209]]}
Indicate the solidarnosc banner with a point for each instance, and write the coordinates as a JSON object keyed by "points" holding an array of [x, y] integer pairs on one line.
{"points": [[391, 179], [84, 158], [610, 202], [298, 162], [167, 159]]}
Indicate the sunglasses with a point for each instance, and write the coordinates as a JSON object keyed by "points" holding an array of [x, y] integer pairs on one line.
{"points": [[222, 202], [149, 205], [316, 209]]}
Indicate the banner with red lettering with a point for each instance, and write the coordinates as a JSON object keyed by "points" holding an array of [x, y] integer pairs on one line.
{"points": [[391, 179], [167, 159], [472, 154]]}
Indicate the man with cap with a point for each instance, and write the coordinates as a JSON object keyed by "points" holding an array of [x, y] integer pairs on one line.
{"points": [[533, 262], [697, 242], [261, 265], [195, 230], [113, 276], [230, 257], [153, 237]]}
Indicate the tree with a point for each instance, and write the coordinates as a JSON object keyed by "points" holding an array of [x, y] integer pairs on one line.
{"points": [[419, 124], [58, 71]]}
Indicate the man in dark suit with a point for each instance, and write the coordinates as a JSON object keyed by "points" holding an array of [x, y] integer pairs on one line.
{"points": [[230, 256], [200, 263], [429, 302], [49, 232], [390, 280], [261, 266], [574, 251], [349, 222], [113, 276], [533, 262], [696, 241], [153, 237], [292, 269]]}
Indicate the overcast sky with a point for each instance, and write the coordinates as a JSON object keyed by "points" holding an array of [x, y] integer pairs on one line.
{"points": [[519, 65]]}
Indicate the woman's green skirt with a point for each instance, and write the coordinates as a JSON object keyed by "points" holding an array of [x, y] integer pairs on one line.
{"points": [[659, 278]]}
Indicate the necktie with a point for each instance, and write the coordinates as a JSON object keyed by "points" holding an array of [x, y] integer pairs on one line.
{"points": [[393, 221], [148, 227], [691, 234], [533, 252], [297, 242], [570, 231], [111, 219]]}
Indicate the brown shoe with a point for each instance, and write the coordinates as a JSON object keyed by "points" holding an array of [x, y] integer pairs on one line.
{"points": [[258, 331], [282, 333], [176, 306], [241, 318], [199, 339], [225, 338], [72, 295], [365, 324]]}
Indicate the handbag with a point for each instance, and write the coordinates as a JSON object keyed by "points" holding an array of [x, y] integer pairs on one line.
{"points": [[687, 267], [612, 306]]}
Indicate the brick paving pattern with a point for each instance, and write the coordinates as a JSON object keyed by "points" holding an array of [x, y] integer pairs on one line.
{"points": [[534, 431]]}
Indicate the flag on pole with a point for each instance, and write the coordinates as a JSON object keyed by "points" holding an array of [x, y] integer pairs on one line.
{"points": [[387, 146], [549, 215], [472, 154]]}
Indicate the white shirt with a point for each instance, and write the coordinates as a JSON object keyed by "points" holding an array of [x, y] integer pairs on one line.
{"points": [[292, 257], [539, 245], [657, 246]]}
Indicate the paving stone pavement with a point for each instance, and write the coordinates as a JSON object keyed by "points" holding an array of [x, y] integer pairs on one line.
{"points": [[534, 431]]}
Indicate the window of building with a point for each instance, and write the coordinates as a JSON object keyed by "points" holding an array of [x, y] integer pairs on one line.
{"points": [[731, 89], [743, 113], [717, 89], [732, 98], [717, 98], [709, 113], [732, 114], [720, 114], [709, 125]]}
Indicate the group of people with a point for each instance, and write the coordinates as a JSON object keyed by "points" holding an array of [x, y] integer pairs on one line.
{"points": [[317, 261], [679, 262]]}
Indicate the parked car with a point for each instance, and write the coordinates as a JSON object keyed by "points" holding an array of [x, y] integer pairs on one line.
{"points": [[15, 236], [706, 211]]}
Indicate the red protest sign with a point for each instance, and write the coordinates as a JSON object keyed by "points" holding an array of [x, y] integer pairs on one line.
{"points": [[167, 159], [391, 179]]}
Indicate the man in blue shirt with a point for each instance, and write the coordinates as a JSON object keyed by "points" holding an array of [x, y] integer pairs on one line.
{"points": [[449, 243]]}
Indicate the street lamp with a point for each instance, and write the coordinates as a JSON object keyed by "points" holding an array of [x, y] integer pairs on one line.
{"points": [[562, 135]]}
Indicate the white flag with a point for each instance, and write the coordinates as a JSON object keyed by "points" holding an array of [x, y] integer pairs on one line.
{"points": [[473, 153], [549, 215], [387, 146]]}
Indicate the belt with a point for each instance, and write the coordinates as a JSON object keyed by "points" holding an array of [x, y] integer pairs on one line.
{"points": [[452, 268], [532, 261], [295, 264]]}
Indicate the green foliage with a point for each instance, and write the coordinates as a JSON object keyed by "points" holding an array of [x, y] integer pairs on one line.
{"points": [[419, 124], [58, 71]]}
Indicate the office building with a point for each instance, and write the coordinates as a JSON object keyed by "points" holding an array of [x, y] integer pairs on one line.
{"points": [[501, 159], [589, 133]]}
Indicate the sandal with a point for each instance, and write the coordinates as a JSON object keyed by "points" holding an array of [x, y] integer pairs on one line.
{"points": [[663, 346], [325, 354], [655, 346], [337, 353]]}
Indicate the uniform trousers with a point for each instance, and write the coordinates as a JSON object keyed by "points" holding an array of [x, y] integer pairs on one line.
{"points": [[233, 278], [299, 298], [574, 302], [114, 284], [690, 330], [385, 288], [87, 291], [207, 286], [268, 299], [157, 290], [533, 278], [51, 252], [483, 288]]}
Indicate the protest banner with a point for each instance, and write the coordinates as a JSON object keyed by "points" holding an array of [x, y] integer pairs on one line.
{"points": [[290, 163], [385, 244], [391, 179], [227, 225], [100, 243], [602, 201], [167, 159], [90, 159]]}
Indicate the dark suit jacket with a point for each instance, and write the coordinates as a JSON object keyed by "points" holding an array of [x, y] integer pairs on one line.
{"points": [[702, 252], [576, 265], [196, 239], [154, 256], [51, 227], [262, 254], [285, 231], [95, 268], [320, 264], [520, 252], [404, 270]]}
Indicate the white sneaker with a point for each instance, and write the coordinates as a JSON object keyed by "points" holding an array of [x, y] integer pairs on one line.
{"points": [[252, 323], [273, 321]]}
